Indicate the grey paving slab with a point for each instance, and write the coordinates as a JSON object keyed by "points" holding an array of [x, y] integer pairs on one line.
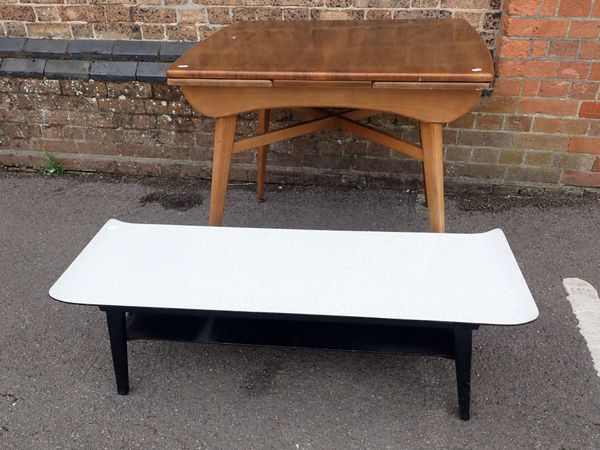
{"points": [[23, 67], [113, 70], [533, 386], [170, 51], [136, 50], [90, 49], [67, 69], [46, 48], [11, 46], [152, 71]]}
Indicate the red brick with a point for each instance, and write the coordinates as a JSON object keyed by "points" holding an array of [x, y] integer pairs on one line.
{"points": [[518, 123], [554, 88], [44, 30], [596, 10], [117, 31], [590, 109], [548, 106], [296, 14], [575, 8], [47, 14], [584, 29], [55, 146], [574, 70], [375, 14], [511, 157], [507, 87], [497, 104], [182, 32], [73, 134], [252, 13], [595, 72], [17, 13], [15, 29], [596, 166], [479, 138], [153, 32], [87, 13], [117, 13], [82, 31], [546, 125], [584, 89], [192, 16], [51, 132], [589, 50], [536, 69], [514, 48], [563, 49], [539, 49], [485, 155], [537, 158], [534, 141], [573, 126], [153, 15], [584, 145], [586, 179], [454, 153], [219, 15], [562, 126], [530, 88], [548, 7], [522, 7], [489, 122], [536, 27], [466, 121]]}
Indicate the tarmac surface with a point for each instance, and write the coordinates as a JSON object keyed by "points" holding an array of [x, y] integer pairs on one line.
{"points": [[533, 386]]}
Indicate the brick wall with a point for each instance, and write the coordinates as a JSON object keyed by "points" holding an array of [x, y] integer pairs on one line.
{"points": [[541, 125], [148, 129], [196, 19], [548, 77]]}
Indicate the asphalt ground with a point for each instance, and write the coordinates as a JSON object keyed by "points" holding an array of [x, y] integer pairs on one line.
{"points": [[534, 386]]}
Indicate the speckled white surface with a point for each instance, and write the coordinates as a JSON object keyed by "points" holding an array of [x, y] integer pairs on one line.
{"points": [[468, 278]]}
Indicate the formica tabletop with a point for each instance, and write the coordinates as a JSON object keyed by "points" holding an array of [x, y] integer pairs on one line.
{"points": [[444, 50], [463, 278]]}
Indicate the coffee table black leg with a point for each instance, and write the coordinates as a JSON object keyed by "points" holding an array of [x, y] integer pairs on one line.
{"points": [[118, 346], [462, 348]]}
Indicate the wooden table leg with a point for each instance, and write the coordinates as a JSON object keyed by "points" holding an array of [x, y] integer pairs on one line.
{"points": [[264, 116], [424, 182], [433, 164], [224, 137]]}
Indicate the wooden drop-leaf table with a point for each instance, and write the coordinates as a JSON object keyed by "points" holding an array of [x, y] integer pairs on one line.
{"points": [[430, 70]]}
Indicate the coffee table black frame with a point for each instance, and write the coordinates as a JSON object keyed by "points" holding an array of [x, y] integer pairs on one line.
{"points": [[444, 339]]}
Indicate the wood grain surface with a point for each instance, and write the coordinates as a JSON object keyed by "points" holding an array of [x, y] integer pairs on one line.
{"points": [[442, 50]]}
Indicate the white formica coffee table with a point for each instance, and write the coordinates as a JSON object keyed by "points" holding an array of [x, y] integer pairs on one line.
{"points": [[384, 291]]}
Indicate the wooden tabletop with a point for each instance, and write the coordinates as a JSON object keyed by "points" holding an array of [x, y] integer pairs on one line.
{"points": [[435, 50]]}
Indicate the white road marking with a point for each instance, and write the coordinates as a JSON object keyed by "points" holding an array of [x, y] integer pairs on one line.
{"points": [[586, 306]]}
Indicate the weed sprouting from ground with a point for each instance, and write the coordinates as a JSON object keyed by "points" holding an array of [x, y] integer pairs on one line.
{"points": [[52, 166]]}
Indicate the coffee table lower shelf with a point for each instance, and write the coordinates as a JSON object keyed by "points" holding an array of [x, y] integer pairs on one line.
{"points": [[448, 340]]}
